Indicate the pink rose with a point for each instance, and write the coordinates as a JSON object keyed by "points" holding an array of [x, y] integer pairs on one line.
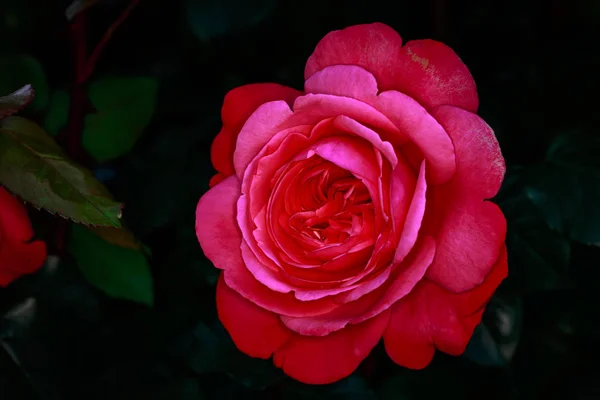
{"points": [[355, 210]]}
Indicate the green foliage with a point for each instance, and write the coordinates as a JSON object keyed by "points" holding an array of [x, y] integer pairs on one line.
{"points": [[57, 113], [124, 107], [495, 340], [16, 101], [35, 168], [566, 188], [210, 18], [118, 271], [17, 71]]}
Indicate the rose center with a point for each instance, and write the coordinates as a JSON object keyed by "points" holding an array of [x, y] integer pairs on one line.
{"points": [[324, 204]]}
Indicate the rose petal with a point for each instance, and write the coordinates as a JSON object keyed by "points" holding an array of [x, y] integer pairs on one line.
{"points": [[238, 105], [343, 80], [431, 317], [414, 217], [408, 274], [14, 221], [216, 227], [255, 331], [470, 233], [356, 307], [260, 127], [374, 47], [469, 240], [431, 73], [422, 129], [479, 161], [19, 258], [321, 360]]}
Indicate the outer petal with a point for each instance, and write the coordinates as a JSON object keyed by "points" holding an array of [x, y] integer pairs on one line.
{"points": [[431, 73], [238, 105], [423, 130], [479, 161], [470, 233], [20, 259], [257, 131], [432, 317], [374, 47], [254, 331], [18, 256], [216, 226], [326, 359], [14, 221]]}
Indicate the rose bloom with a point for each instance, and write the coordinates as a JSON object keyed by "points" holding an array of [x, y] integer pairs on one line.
{"points": [[18, 254], [355, 210]]}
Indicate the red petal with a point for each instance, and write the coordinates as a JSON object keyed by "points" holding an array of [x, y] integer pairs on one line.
{"points": [[326, 359], [431, 317], [374, 47], [14, 221], [216, 226], [254, 331], [18, 259], [258, 130], [431, 73], [470, 232], [238, 105]]}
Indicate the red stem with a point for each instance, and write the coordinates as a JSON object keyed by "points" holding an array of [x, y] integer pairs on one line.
{"points": [[80, 104], [91, 65]]}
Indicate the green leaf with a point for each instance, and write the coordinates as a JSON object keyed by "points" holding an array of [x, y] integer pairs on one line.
{"points": [[117, 271], [122, 237], [124, 109], [495, 340], [567, 187], [16, 101], [58, 112], [35, 168], [210, 18], [213, 351], [21, 70]]}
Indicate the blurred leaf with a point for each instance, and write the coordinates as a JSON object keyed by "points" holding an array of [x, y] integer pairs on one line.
{"points": [[121, 237], [21, 70], [124, 109], [78, 6], [538, 256], [35, 168], [210, 18], [58, 112], [495, 340], [214, 351], [568, 197], [352, 387], [16, 101], [119, 272]]}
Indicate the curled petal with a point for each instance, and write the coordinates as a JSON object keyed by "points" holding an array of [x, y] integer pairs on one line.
{"points": [[326, 359], [374, 47], [255, 331], [238, 105], [431, 73], [431, 317]]}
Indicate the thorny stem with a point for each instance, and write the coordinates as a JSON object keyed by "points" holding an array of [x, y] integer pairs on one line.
{"points": [[80, 105], [91, 64]]}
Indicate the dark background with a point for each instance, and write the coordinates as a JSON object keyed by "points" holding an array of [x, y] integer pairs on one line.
{"points": [[536, 65]]}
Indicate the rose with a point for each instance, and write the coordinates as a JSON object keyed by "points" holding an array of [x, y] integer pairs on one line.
{"points": [[18, 254], [356, 210]]}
